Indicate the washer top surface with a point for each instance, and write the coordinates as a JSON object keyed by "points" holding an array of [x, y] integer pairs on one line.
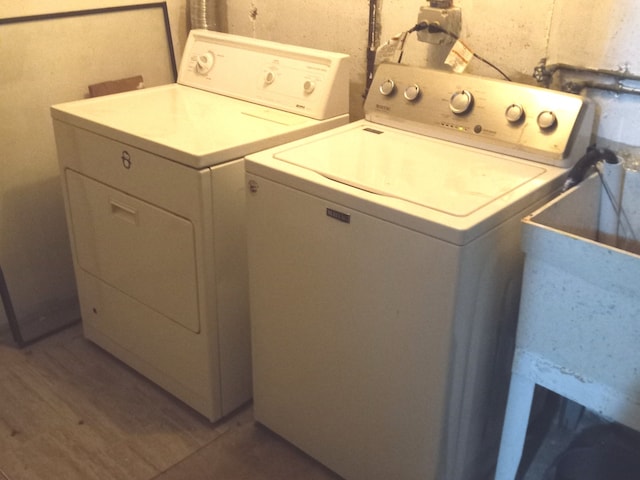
{"points": [[450, 191], [397, 165], [446, 154]]}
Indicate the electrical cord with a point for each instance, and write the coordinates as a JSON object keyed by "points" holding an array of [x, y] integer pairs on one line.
{"points": [[617, 209], [594, 158], [588, 160], [436, 28], [609, 157]]}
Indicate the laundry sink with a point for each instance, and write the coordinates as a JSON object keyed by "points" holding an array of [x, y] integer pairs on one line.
{"points": [[579, 323]]}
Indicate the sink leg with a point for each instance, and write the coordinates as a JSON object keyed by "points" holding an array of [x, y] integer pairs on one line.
{"points": [[515, 426]]}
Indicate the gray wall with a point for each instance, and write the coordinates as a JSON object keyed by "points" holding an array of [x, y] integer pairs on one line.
{"points": [[515, 35], [46, 62]]}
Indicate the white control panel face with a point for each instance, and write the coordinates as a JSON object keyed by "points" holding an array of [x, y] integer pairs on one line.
{"points": [[528, 122], [300, 80]]}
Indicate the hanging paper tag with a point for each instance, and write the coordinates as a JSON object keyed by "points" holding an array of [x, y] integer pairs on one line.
{"points": [[391, 50], [459, 57]]}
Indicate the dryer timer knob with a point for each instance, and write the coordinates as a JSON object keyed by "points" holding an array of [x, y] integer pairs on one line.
{"points": [[204, 63]]}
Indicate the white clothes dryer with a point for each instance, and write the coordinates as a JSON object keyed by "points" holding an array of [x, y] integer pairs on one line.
{"points": [[153, 185], [385, 270]]}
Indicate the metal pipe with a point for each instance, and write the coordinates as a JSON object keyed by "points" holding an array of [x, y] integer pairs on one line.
{"points": [[371, 43], [577, 87], [609, 73], [611, 80]]}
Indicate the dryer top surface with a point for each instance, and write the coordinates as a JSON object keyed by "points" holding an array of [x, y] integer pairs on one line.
{"points": [[185, 124]]}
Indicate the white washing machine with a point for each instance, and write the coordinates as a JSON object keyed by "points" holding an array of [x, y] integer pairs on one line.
{"points": [[154, 193], [385, 270]]}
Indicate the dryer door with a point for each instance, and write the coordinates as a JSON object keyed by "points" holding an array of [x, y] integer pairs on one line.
{"points": [[140, 249]]}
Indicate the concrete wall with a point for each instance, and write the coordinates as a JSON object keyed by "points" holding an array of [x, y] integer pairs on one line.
{"points": [[178, 12], [513, 34], [334, 25], [46, 62]]}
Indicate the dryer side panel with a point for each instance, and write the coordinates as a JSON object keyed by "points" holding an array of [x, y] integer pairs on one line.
{"points": [[232, 283]]}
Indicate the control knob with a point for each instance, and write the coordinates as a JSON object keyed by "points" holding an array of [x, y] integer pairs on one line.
{"points": [[461, 102], [309, 86], [547, 120], [412, 92], [387, 87], [204, 63], [269, 77], [514, 113]]}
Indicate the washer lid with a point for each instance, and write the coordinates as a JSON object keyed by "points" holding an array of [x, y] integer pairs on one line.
{"points": [[446, 177]]}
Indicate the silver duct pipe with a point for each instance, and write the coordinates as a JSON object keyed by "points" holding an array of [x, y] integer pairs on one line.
{"points": [[203, 14]]}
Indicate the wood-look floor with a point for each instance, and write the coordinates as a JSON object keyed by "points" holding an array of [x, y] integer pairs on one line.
{"points": [[70, 411]]}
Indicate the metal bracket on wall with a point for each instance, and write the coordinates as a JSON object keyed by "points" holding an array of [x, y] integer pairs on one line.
{"points": [[21, 340], [572, 79]]}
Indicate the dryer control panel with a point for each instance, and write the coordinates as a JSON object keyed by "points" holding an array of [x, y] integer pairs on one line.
{"points": [[520, 120], [306, 81]]}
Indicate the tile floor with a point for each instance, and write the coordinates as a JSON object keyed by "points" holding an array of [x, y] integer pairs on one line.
{"points": [[69, 410]]}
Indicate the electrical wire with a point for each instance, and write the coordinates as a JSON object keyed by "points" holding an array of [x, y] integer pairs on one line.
{"points": [[436, 28], [580, 168], [618, 209], [594, 157]]}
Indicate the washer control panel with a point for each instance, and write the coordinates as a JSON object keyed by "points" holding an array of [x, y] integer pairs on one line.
{"points": [[310, 82], [521, 120]]}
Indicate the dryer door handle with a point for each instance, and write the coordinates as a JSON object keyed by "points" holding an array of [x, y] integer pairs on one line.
{"points": [[124, 212]]}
